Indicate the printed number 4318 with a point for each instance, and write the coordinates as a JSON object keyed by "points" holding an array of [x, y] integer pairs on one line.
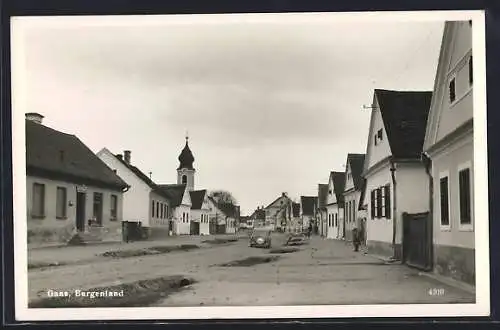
{"points": [[436, 292]]}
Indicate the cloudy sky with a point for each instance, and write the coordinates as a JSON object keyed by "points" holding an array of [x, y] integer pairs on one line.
{"points": [[271, 105]]}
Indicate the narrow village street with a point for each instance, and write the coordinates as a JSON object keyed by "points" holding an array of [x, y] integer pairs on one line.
{"points": [[319, 272]]}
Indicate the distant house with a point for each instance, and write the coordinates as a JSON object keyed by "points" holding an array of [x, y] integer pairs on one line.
{"points": [[69, 189], [145, 203], [277, 212], [321, 212], [396, 181], [258, 217], [308, 207], [335, 205], [449, 151], [295, 222], [200, 212], [224, 217], [352, 192], [180, 201]]}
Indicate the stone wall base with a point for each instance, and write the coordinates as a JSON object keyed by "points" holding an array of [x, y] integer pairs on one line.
{"points": [[455, 262], [385, 249]]}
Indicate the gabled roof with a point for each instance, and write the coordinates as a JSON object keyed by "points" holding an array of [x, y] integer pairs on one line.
{"points": [[174, 192], [356, 161], [197, 198], [142, 176], [61, 156], [277, 199], [308, 204], [259, 214], [338, 179], [229, 210], [322, 195], [404, 114]]}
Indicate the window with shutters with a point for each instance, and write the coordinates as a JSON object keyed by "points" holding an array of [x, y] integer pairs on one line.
{"points": [[382, 203], [452, 90], [38, 207], [157, 209], [465, 196], [152, 209], [114, 208], [372, 204], [379, 203], [387, 195], [61, 201], [444, 200]]}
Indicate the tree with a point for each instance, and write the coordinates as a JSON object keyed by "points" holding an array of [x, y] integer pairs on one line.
{"points": [[223, 197]]}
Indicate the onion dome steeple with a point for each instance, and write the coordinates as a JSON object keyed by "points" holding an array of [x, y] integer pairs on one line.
{"points": [[186, 157]]}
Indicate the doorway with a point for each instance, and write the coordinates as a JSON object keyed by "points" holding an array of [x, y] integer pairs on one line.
{"points": [[80, 211]]}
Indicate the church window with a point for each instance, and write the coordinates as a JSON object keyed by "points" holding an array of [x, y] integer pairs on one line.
{"points": [[184, 179]]}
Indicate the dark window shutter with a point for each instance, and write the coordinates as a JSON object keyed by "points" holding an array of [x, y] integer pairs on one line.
{"points": [[372, 203], [379, 202], [465, 197], [387, 194]]}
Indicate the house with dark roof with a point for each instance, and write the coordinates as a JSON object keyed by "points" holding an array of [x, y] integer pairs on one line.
{"points": [[308, 207], [258, 217], [277, 212], [224, 217], [70, 191], [396, 180], [335, 205], [145, 203], [321, 213], [200, 212], [449, 156], [180, 201], [352, 192]]}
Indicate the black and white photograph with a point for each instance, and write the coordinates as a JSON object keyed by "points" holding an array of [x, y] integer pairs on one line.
{"points": [[250, 165]]}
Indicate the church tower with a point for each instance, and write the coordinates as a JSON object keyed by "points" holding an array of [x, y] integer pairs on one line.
{"points": [[185, 171]]}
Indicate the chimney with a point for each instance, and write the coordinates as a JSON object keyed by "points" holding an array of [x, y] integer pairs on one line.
{"points": [[126, 156], [34, 117]]}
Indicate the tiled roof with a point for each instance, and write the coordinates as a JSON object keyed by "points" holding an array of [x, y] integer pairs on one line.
{"points": [[197, 197], [308, 204], [338, 179], [356, 162], [229, 210], [142, 176], [404, 114], [61, 156], [259, 214], [174, 193], [322, 195]]}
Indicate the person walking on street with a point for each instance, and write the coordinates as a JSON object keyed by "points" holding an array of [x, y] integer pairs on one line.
{"points": [[356, 239], [309, 230]]}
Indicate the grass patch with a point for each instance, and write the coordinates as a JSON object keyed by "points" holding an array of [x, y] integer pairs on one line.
{"points": [[250, 261], [118, 254], [136, 294], [220, 241], [284, 250]]}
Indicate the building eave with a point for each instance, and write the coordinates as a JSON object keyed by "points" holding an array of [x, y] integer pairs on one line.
{"points": [[456, 135]]}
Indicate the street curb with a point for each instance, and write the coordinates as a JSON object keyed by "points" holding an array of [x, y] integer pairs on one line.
{"points": [[450, 282]]}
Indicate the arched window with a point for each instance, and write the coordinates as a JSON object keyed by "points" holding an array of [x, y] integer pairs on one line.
{"points": [[184, 179]]}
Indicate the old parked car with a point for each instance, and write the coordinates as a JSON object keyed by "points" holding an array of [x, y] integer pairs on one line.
{"points": [[296, 239], [260, 238]]}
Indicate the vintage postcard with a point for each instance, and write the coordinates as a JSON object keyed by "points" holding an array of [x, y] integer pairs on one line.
{"points": [[250, 166]]}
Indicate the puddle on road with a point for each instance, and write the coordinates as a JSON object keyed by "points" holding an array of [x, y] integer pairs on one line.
{"points": [[284, 250], [250, 261], [148, 251], [135, 294]]}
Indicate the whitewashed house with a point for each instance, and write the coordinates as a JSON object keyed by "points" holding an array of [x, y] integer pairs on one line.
{"points": [[396, 181], [352, 192], [145, 203], [335, 205], [200, 212], [449, 147], [321, 213], [180, 202], [70, 192], [276, 211]]}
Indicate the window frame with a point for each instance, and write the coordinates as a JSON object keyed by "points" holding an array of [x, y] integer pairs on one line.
{"points": [[442, 175], [42, 203], [452, 77], [64, 216], [115, 217], [468, 226]]}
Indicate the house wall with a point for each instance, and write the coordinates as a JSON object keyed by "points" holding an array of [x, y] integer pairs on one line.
{"points": [[454, 246], [381, 150], [452, 115], [334, 230], [350, 221], [182, 227], [50, 229], [412, 188], [136, 201], [379, 230], [159, 221]]}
